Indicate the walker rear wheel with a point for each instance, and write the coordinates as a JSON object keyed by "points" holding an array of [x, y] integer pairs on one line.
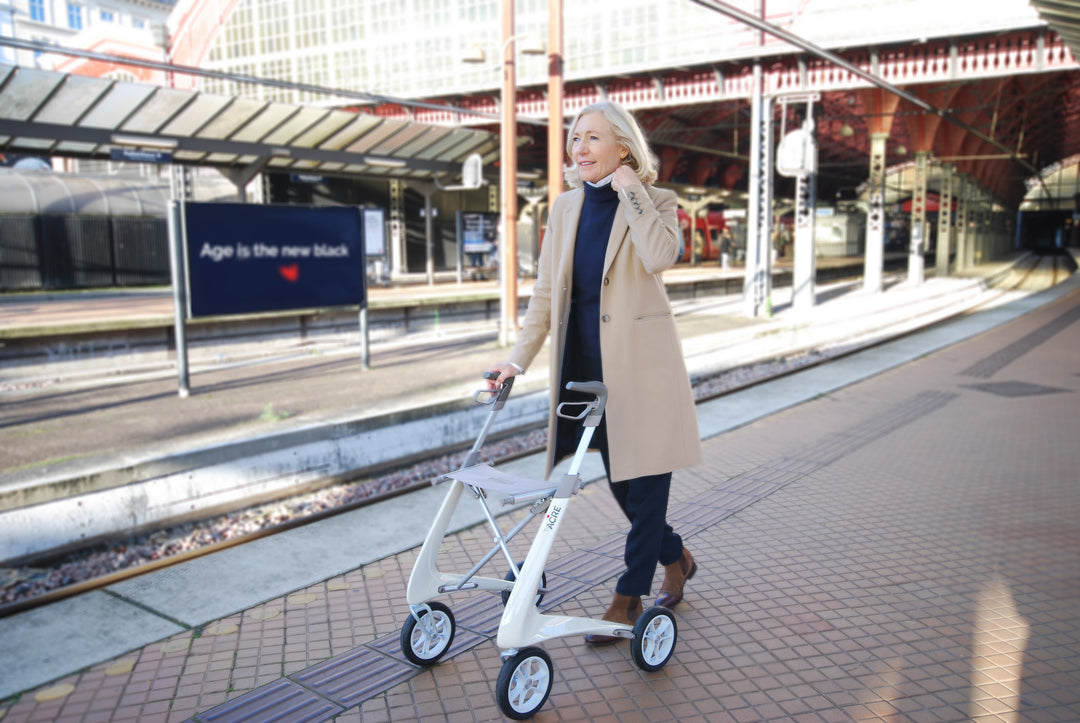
{"points": [[524, 683], [655, 635], [510, 576], [426, 636]]}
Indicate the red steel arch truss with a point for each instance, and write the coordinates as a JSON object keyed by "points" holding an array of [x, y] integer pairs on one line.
{"points": [[1020, 89]]}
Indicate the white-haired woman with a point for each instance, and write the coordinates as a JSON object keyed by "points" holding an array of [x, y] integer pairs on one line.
{"points": [[600, 298]]}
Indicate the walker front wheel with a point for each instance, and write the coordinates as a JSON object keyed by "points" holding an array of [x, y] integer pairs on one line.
{"points": [[426, 636], [655, 635], [524, 683]]}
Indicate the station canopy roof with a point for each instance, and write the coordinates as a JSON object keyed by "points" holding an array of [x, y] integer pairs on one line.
{"points": [[48, 113], [1064, 17]]}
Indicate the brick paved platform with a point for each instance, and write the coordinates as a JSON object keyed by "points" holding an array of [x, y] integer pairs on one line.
{"points": [[903, 546]]}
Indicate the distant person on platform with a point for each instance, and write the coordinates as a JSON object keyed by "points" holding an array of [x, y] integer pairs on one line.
{"points": [[608, 240]]}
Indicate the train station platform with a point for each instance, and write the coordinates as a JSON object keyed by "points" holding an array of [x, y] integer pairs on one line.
{"points": [[892, 535]]}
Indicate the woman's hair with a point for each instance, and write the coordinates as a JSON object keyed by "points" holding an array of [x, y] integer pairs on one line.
{"points": [[627, 133]]}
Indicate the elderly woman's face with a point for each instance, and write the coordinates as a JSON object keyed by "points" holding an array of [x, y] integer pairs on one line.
{"points": [[594, 148]]}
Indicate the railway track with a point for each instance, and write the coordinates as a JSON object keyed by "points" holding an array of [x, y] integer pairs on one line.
{"points": [[25, 588]]}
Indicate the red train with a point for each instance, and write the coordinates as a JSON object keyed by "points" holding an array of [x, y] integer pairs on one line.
{"points": [[704, 237]]}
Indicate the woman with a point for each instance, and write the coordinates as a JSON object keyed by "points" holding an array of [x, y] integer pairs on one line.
{"points": [[599, 295]]}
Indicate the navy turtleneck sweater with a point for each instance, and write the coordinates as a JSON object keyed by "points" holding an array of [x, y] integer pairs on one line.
{"points": [[590, 247]]}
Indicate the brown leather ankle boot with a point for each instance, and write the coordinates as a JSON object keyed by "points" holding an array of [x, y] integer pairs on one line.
{"points": [[675, 576], [624, 609]]}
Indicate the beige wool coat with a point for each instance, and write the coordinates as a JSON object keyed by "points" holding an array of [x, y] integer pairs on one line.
{"points": [[651, 419]]}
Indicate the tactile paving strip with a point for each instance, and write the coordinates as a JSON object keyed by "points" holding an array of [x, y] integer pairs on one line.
{"points": [[281, 700], [350, 679], [991, 365]]}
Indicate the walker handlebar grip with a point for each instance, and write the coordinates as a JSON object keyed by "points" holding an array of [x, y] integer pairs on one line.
{"points": [[496, 397], [598, 390]]}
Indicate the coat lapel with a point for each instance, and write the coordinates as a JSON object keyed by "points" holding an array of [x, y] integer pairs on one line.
{"points": [[618, 235], [570, 217]]}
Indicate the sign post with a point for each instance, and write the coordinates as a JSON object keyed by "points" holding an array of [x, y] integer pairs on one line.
{"points": [[179, 285]]}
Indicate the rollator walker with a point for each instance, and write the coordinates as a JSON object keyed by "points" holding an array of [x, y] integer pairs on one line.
{"points": [[527, 673]]}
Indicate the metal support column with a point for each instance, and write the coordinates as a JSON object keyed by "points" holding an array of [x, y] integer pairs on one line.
{"points": [[962, 238], [175, 223], [945, 225], [757, 284], [875, 217], [919, 229], [429, 234]]}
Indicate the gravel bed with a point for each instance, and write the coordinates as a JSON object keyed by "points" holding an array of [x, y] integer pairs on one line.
{"points": [[19, 584]]}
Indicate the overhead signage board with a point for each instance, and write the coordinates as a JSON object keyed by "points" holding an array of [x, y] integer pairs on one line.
{"points": [[140, 155], [249, 258]]}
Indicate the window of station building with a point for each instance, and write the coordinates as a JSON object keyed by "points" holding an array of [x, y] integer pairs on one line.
{"points": [[345, 25], [106, 16], [138, 23], [37, 10], [273, 27], [310, 21], [74, 16]]}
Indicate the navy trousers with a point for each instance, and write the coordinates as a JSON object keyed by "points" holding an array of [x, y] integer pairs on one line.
{"points": [[651, 539], [643, 499]]}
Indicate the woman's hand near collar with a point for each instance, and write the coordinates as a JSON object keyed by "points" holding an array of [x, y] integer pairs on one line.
{"points": [[624, 176]]}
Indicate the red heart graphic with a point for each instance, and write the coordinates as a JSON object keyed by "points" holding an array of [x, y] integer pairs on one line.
{"points": [[290, 273]]}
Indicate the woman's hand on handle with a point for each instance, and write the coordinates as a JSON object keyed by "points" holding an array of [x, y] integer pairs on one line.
{"points": [[505, 370]]}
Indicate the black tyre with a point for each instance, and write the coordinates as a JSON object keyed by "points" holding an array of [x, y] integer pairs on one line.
{"points": [[524, 683], [655, 635], [425, 641], [511, 577]]}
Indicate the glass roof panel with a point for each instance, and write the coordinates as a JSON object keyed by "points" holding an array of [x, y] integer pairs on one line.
{"points": [[238, 114], [261, 125], [82, 149], [195, 115], [434, 135], [325, 128], [393, 145], [37, 144], [72, 99], [189, 156], [25, 91], [297, 124], [361, 124], [388, 127], [452, 140], [156, 111], [116, 105]]}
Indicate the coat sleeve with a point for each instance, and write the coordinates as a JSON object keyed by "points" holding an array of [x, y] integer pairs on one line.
{"points": [[654, 226], [537, 325]]}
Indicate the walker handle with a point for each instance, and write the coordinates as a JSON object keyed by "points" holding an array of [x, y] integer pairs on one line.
{"points": [[596, 407], [497, 397]]}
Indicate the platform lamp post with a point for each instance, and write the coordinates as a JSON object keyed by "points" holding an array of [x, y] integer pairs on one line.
{"points": [[508, 287]]}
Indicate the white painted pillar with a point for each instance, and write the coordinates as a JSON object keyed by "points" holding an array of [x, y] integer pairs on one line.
{"points": [[805, 262], [875, 217], [918, 219]]}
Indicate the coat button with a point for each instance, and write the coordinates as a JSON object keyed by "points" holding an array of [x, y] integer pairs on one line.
{"points": [[605, 317], [606, 281]]}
